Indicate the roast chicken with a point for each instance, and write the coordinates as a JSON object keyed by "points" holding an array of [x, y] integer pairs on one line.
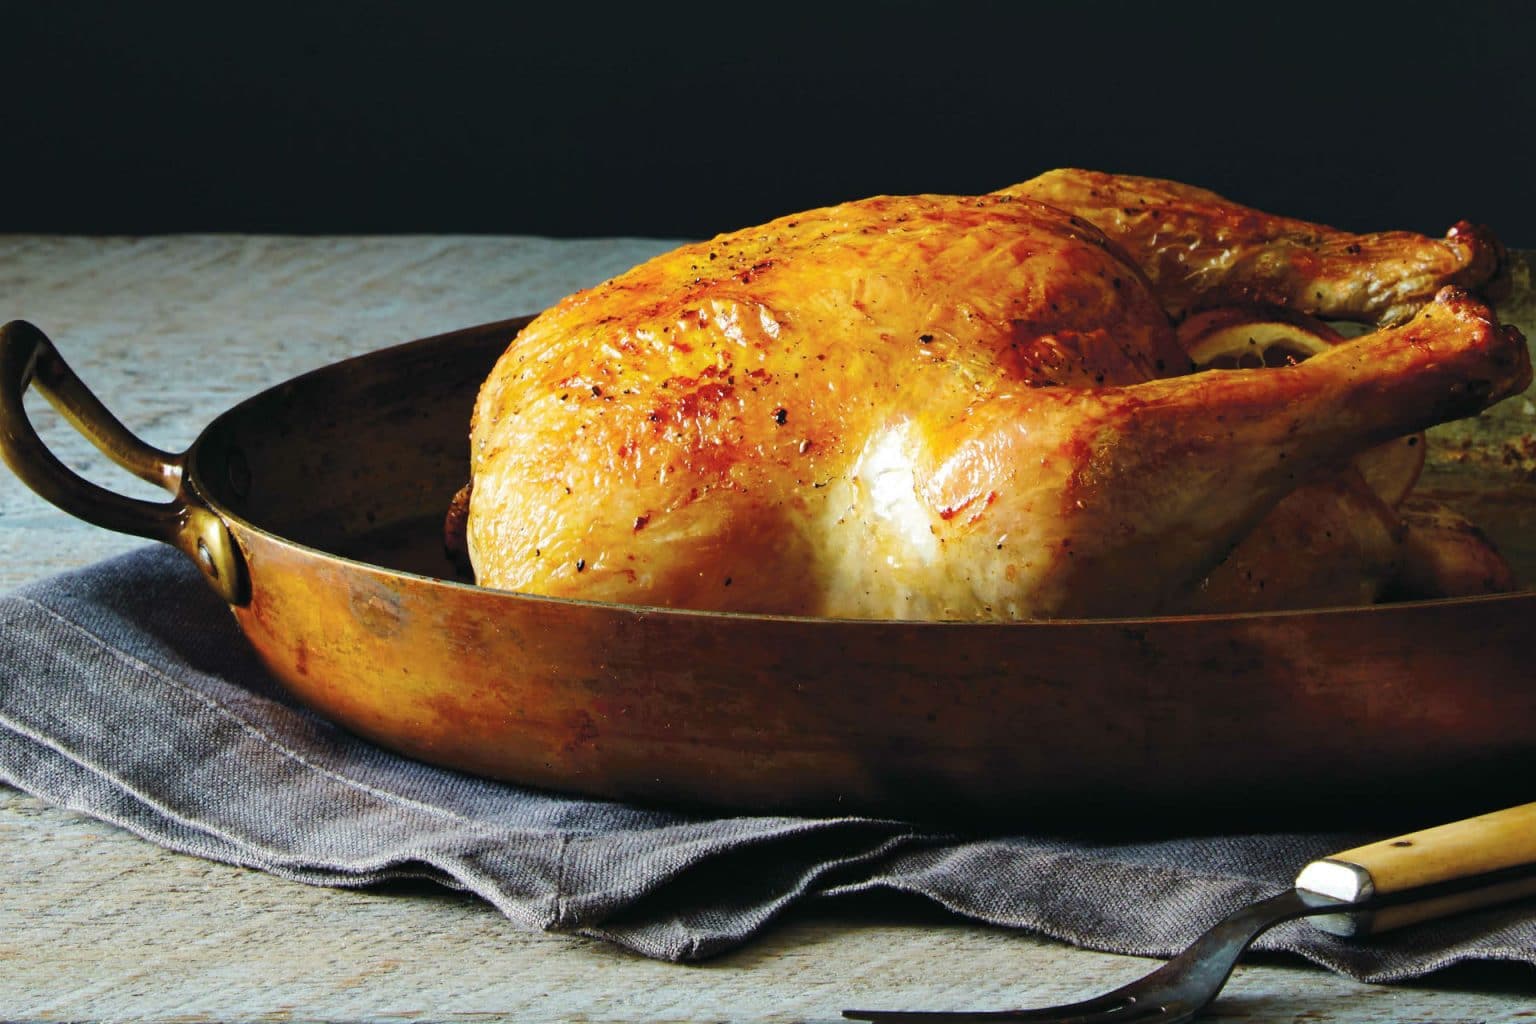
{"points": [[946, 407]]}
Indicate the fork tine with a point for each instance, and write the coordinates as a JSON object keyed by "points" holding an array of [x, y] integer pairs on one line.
{"points": [[1175, 992], [1107, 1009], [1110, 1006]]}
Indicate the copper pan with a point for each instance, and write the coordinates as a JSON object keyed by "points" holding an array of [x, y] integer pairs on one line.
{"points": [[314, 510]]}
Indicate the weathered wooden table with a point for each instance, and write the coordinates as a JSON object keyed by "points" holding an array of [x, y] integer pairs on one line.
{"points": [[96, 924]]}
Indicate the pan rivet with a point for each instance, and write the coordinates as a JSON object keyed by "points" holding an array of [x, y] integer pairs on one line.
{"points": [[206, 557]]}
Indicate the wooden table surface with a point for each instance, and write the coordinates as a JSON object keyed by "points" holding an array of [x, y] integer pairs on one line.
{"points": [[96, 924]]}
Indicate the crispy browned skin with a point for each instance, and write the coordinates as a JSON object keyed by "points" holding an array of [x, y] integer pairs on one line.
{"points": [[1329, 543], [1201, 250], [1446, 555], [917, 407]]}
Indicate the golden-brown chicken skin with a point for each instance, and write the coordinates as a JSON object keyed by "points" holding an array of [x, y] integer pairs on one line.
{"points": [[1331, 542], [1200, 250], [923, 407]]}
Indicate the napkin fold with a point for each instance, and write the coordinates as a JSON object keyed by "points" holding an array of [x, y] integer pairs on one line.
{"points": [[128, 694]]}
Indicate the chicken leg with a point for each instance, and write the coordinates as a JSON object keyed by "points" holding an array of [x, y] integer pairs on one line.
{"points": [[1117, 501]]}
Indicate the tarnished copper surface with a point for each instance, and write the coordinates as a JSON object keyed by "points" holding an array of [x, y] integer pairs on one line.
{"points": [[334, 484], [898, 718]]}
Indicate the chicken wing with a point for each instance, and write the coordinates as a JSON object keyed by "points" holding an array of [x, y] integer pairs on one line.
{"points": [[1200, 250]]}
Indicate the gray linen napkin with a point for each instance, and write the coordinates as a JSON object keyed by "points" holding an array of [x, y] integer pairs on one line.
{"points": [[127, 693]]}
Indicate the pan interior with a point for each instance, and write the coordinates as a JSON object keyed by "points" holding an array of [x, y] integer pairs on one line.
{"points": [[361, 458]]}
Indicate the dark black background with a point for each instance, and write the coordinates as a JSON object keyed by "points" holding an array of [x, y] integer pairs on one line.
{"points": [[686, 119]]}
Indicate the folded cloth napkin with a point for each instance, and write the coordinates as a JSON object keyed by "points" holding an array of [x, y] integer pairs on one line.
{"points": [[127, 693]]}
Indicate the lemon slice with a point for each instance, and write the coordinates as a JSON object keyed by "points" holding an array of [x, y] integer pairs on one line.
{"points": [[1393, 468], [1251, 337]]}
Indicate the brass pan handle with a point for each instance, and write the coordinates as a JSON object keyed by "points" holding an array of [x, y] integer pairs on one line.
{"points": [[27, 359]]}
